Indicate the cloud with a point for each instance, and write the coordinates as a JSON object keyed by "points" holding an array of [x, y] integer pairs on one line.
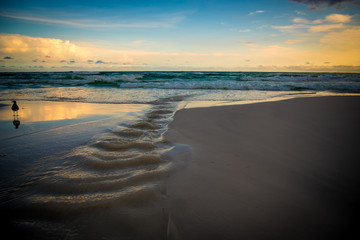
{"points": [[320, 68], [8, 58], [338, 18], [278, 57], [54, 53], [165, 23], [100, 62], [300, 20], [299, 12], [318, 21], [325, 28], [337, 22], [317, 4], [339, 48], [290, 28], [244, 30], [256, 12], [25, 47]]}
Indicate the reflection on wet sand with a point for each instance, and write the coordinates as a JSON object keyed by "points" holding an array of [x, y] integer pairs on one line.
{"points": [[16, 121], [35, 111]]}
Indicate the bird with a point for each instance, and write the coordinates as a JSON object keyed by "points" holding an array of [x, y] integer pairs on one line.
{"points": [[15, 107]]}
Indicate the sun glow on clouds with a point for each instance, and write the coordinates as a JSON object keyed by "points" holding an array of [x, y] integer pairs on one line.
{"points": [[338, 18], [55, 54], [36, 52], [252, 40], [333, 21], [30, 48]]}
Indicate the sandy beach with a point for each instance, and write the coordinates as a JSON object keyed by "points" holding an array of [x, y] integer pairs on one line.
{"points": [[276, 170]]}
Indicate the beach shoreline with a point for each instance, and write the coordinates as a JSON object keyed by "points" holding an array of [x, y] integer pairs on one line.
{"points": [[216, 172], [274, 170]]}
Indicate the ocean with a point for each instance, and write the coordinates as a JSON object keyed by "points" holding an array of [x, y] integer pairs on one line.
{"points": [[85, 158], [145, 87]]}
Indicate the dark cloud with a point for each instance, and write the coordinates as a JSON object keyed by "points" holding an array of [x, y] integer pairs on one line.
{"points": [[72, 61], [100, 62], [316, 4], [90, 61], [8, 57]]}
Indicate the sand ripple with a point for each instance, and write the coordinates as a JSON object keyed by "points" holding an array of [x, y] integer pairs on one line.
{"points": [[116, 171]]}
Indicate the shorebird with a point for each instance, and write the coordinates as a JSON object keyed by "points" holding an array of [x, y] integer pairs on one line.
{"points": [[15, 107]]}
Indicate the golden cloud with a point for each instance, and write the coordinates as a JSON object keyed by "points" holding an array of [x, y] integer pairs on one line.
{"points": [[25, 48], [334, 48], [325, 27], [338, 18], [58, 53]]}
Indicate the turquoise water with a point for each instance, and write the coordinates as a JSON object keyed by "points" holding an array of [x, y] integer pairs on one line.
{"points": [[188, 80], [145, 87]]}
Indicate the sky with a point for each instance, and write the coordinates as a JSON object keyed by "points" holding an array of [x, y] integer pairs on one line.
{"points": [[174, 35]]}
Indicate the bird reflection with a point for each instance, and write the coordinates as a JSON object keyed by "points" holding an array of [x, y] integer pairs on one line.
{"points": [[15, 109]]}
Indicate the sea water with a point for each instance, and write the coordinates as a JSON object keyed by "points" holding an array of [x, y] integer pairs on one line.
{"points": [[88, 160], [145, 87]]}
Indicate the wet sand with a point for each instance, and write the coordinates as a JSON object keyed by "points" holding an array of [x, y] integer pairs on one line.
{"points": [[84, 170], [277, 170]]}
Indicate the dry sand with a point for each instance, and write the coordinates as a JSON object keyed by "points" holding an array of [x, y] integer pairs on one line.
{"points": [[277, 170]]}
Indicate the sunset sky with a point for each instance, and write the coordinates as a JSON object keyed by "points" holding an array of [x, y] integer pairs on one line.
{"points": [[224, 35]]}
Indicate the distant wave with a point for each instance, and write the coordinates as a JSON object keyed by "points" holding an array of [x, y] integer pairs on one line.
{"points": [[188, 80]]}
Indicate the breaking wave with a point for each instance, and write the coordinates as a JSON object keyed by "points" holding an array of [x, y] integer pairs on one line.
{"points": [[189, 80]]}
